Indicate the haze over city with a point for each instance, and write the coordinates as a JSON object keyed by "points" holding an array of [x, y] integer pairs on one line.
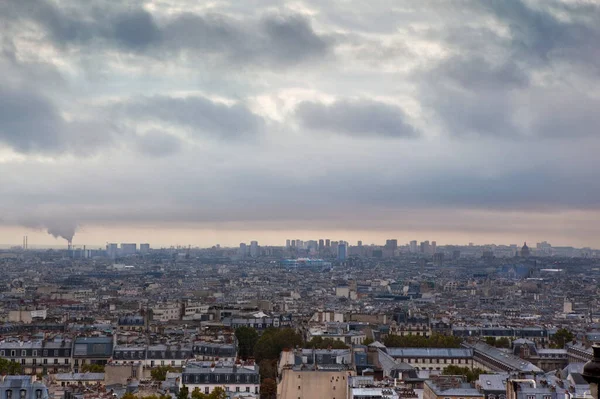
{"points": [[220, 122]]}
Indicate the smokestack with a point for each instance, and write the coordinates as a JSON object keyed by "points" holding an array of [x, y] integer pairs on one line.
{"points": [[26, 242]]}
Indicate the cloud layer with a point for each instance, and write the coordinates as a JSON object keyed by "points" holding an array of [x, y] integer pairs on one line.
{"points": [[273, 114]]}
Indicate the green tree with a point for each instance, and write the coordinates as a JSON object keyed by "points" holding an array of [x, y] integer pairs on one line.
{"points": [[9, 367], [268, 389], [561, 337], [368, 341], [273, 341], [217, 393], [183, 393], [268, 368], [92, 368], [503, 342], [160, 373], [325, 343], [247, 338], [490, 341], [129, 395]]}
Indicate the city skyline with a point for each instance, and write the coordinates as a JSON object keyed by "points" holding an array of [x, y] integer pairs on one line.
{"points": [[178, 122], [354, 241]]}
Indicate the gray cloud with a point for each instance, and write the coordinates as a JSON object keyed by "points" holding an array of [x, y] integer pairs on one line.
{"points": [[29, 122], [158, 144], [363, 118], [539, 32], [199, 114], [271, 40]]}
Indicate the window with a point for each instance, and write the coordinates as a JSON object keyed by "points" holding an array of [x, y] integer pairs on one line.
{"points": [[207, 390], [9, 394], [55, 361], [45, 361], [66, 361], [45, 352], [1, 353], [23, 353], [22, 394], [237, 389], [55, 352], [22, 361], [34, 353], [530, 396], [13, 353], [547, 396]]}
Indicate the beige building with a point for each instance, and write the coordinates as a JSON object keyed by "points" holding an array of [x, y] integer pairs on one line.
{"points": [[311, 384]]}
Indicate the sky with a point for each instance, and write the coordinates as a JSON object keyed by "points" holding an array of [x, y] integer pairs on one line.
{"points": [[197, 123]]}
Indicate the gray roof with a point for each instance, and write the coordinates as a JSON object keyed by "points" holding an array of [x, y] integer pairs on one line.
{"points": [[80, 376], [465, 353], [493, 382]]}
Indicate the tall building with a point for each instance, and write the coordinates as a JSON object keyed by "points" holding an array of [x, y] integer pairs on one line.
{"points": [[342, 250], [321, 244], [327, 243], [128, 249], [243, 250], [254, 249], [112, 249], [359, 243], [433, 246], [525, 252], [293, 243], [391, 244], [424, 247], [144, 248], [413, 247], [288, 243]]}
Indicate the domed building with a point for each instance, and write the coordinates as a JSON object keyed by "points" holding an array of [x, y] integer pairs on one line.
{"points": [[525, 252]]}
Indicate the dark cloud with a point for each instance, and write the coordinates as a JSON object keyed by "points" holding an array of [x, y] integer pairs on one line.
{"points": [[363, 118], [272, 40], [199, 114], [541, 33], [29, 122]]}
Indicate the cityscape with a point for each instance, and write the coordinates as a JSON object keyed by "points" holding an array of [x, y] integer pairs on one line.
{"points": [[299, 199], [310, 318]]}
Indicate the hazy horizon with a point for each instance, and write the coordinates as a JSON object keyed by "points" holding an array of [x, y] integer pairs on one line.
{"points": [[178, 122]]}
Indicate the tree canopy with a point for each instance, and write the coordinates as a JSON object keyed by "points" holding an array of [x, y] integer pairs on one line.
{"points": [[9, 367], [561, 337], [325, 343], [273, 341], [470, 375], [247, 338], [217, 393], [160, 373]]}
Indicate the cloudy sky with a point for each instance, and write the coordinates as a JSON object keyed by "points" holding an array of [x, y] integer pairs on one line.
{"points": [[187, 122]]}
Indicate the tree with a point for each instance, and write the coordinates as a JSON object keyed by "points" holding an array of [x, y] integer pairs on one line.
{"points": [[183, 393], [247, 338], [268, 368], [273, 341], [490, 341], [9, 367], [92, 368], [561, 337], [503, 342], [160, 373], [268, 389], [368, 341], [325, 343], [217, 393], [129, 395], [470, 375]]}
